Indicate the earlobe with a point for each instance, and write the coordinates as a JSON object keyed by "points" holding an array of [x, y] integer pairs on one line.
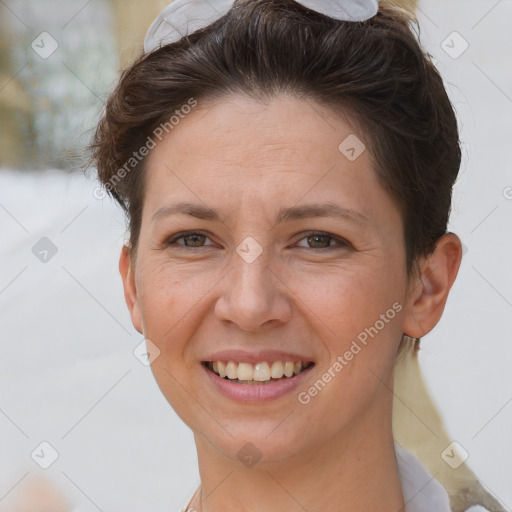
{"points": [[126, 270], [429, 290]]}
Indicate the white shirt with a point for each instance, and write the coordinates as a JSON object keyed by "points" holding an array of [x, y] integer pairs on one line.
{"points": [[422, 492]]}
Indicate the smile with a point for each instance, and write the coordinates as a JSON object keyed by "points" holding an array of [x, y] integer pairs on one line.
{"points": [[260, 373]]}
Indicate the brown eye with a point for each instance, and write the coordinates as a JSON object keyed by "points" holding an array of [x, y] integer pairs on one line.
{"points": [[194, 240], [319, 241], [190, 240], [323, 241]]}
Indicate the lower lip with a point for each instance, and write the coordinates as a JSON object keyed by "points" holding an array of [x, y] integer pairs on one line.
{"points": [[256, 392]]}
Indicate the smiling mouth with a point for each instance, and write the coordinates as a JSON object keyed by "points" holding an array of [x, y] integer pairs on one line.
{"points": [[259, 373]]}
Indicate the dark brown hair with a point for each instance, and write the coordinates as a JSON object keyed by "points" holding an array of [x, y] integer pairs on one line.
{"points": [[376, 71]]}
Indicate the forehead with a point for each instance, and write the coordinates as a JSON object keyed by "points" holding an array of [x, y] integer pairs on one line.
{"points": [[273, 126], [236, 150]]}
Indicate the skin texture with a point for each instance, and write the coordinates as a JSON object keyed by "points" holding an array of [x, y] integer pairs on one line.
{"points": [[308, 296]]}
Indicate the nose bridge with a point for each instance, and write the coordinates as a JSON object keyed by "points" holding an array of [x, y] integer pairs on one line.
{"points": [[252, 297], [251, 281]]}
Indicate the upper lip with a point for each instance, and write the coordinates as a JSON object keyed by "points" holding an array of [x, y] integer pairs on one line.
{"points": [[243, 356]]}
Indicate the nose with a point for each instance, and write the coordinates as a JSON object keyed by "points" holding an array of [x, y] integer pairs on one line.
{"points": [[253, 296]]}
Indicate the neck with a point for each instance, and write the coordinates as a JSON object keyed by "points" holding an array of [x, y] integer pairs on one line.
{"points": [[356, 470]]}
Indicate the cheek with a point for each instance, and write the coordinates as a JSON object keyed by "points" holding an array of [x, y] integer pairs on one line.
{"points": [[171, 301], [163, 297], [343, 301], [357, 315]]}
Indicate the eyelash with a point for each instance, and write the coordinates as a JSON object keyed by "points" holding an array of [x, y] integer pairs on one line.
{"points": [[342, 243]]}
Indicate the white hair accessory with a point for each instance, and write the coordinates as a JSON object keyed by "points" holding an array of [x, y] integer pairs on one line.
{"points": [[183, 17]]}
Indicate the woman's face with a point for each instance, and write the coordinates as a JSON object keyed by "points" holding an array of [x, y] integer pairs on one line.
{"points": [[298, 255]]}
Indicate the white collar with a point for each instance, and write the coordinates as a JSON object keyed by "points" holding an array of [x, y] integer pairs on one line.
{"points": [[422, 492]]}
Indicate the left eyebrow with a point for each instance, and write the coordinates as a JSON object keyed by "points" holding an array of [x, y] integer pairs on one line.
{"points": [[320, 210], [284, 215]]}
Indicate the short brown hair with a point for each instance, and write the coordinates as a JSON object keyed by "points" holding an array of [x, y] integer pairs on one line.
{"points": [[376, 70]]}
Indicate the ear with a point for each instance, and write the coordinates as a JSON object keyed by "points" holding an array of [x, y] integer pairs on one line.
{"points": [[428, 290], [126, 270]]}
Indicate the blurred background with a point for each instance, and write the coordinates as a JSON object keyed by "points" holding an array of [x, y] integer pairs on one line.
{"points": [[83, 425], [54, 81]]}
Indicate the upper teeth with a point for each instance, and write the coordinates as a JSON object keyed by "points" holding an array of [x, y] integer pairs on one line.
{"points": [[263, 371]]}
